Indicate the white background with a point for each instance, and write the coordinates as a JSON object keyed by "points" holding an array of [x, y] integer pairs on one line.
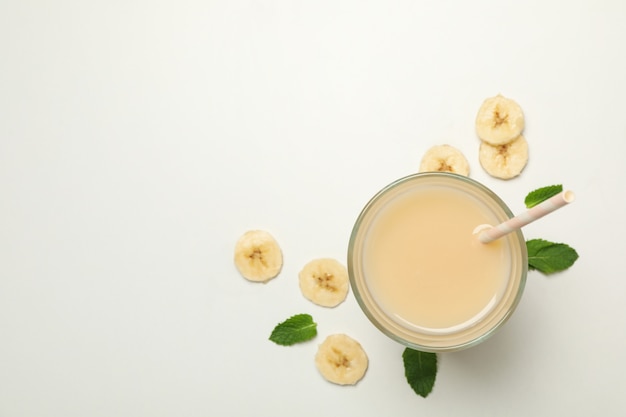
{"points": [[140, 139]]}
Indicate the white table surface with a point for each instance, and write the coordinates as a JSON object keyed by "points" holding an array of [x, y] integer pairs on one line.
{"points": [[139, 139]]}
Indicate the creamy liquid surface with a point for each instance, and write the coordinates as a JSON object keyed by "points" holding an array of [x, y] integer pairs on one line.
{"points": [[424, 266]]}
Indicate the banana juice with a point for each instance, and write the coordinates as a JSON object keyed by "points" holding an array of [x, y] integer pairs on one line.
{"points": [[419, 272]]}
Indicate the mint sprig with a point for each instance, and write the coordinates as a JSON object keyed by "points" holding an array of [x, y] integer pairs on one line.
{"points": [[296, 329], [542, 194], [420, 370], [545, 256], [549, 257]]}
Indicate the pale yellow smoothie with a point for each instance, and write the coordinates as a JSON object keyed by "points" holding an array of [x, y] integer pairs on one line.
{"points": [[419, 271]]}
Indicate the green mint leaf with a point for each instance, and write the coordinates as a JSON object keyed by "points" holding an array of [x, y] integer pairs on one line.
{"points": [[549, 257], [296, 329], [542, 194], [420, 369]]}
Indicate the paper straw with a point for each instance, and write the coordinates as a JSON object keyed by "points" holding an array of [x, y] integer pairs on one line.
{"points": [[537, 212]]}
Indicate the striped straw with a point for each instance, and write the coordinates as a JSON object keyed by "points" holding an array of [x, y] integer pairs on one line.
{"points": [[492, 233]]}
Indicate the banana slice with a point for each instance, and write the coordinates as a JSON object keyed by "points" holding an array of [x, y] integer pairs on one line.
{"points": [[444, 158], [324, 281], [341, 360], [499, 120], [504, 161], [258, 256]]}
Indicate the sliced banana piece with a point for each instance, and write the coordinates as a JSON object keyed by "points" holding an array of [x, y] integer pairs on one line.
{"points": [[341, 360], [324, 281], [258, 256], [504, 161], [499, 120], [444, 158]]}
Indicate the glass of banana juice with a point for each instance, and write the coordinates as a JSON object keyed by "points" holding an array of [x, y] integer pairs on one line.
{"points": [[419, 272]]}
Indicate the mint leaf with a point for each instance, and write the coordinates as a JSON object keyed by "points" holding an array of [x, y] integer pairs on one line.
{"points": [[549, 257], [420, 369], [542, 194], [295, 329]]}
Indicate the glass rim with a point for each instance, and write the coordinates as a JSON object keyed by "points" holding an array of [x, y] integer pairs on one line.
{"points": [[357, 291]]}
